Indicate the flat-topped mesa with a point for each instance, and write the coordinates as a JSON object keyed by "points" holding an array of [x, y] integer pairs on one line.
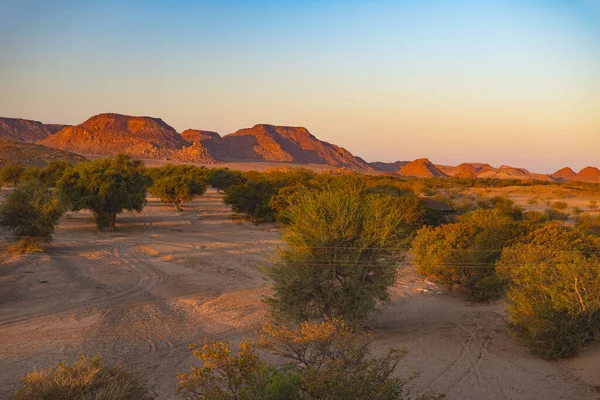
{"points": [[110, 133], [421, 168], [265, 142], [24, 130]]}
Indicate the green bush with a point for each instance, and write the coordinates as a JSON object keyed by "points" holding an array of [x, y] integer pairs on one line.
{"points": [[88, 378], [252, 198], [106, 187], [553, 285], [177, 184], [464, 253], [223, 178], [342, 248], [31, 212]]}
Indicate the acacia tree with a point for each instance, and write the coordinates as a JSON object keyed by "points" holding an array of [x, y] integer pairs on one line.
{"points": [[106, 187], [31, 212], [177, 184], [342, 249], [553, 292], [223, 178]]}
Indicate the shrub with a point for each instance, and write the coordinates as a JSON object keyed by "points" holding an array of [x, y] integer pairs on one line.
{"points": [[106, 187], [177, 184], [223, 178], [553, 285], [588, 224], [88, 378], [326, 360], [252, 198], [341, 253], [464, 253], [532, 201], [593, 205], [31, 212], [11, 174], [559, 205]]}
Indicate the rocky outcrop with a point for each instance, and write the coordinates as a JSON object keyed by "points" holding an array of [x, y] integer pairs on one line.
{"points": [[421, 168]]}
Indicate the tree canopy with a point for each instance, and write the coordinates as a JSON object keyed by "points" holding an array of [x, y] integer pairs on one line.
{"points": [[106, 187]]}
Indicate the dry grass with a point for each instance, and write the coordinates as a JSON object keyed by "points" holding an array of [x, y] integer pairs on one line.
{"points": [[86, 379]]}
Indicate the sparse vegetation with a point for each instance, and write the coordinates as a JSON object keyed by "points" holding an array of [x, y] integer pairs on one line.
{"points": [[88, 378]]}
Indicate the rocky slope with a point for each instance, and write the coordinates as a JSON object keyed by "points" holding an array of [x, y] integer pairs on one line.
{"points": [[588, 174], [24, 130], [421, 168], [282, 144], [12, 152], [143, 137]]}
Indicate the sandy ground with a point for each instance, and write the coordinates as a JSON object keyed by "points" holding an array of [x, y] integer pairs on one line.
{"points": [[165, 279]]}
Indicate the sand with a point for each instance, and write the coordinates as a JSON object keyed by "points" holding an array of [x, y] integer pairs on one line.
{"points": [[166, 279]]}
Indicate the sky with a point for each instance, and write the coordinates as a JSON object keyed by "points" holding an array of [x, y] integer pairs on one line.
{"points": [[503, 82]]}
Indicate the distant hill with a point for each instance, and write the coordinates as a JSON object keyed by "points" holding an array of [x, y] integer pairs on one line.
{"points": [[588, 174], [565, 173], [143, 137], [29, 154], [194, 135], [53, 128], [421, 168], [388, 167], [284, 144], [24, 130]]}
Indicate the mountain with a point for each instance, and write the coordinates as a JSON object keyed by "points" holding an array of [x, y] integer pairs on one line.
{"points": [[281, 144], [195, 135], [566, 174], [387, 167], [23, 130], [588, 174], [53, 128], [12, 152], [421, 168], [143, 137]]}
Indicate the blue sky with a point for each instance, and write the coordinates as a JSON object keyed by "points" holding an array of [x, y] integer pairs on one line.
{"points": [[504, 82]]}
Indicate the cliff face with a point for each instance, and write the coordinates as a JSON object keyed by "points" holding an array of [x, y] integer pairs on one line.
{"points": [[23, 130]]}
